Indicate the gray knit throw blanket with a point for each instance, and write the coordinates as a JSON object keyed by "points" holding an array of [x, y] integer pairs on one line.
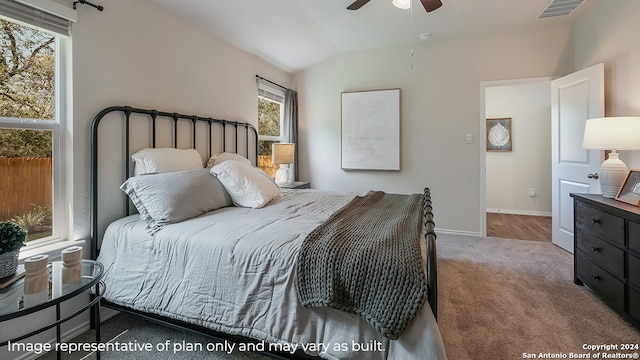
{"points": [[365, 259]]}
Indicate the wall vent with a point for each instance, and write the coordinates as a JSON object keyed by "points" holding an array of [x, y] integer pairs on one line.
{"points": [[560, 8]]}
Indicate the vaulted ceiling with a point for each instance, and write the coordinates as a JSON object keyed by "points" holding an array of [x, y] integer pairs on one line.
{"points": [[297, 34]]}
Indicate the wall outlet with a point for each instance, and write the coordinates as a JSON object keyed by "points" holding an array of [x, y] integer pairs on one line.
{"points": [[532, 192]]}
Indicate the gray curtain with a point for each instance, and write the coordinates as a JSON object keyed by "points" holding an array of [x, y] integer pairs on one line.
{"points": [[290, 124]]}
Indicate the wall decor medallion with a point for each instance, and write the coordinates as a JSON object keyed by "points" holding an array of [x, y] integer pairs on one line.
{"points": [[499, 135]]}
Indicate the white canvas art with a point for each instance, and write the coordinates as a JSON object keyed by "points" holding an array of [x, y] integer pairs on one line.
{"points": [[371, 130]]}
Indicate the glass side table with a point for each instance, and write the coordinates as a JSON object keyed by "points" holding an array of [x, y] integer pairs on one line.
{"points": [[12, 300]]}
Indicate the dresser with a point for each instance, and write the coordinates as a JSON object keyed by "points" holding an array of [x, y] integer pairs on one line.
{"points": [[607, 251]]}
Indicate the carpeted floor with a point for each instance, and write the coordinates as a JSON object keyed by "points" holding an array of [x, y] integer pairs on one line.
{"points": [[498, 299]]}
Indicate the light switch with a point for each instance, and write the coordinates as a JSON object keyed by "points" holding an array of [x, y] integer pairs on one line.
{"points": [[468, 139]]}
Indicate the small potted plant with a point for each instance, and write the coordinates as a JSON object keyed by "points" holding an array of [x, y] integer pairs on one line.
{"points": [[12, 238]]}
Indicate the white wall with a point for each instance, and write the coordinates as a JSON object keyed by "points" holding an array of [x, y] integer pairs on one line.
{"points": [[608, 34], [511, 174], [137, 53], [440, 103]]}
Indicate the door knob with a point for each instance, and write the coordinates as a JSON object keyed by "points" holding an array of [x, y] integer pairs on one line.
{"points": [[593, 176]]}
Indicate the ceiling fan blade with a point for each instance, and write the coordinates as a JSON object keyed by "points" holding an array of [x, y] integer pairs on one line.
{"points": [[431, 5], [357, 4]]}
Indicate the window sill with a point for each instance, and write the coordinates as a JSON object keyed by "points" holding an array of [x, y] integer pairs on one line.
{"points": [[53, 250]]}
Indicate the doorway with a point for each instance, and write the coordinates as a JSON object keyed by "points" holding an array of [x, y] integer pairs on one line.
{"points": [[516, 184]]}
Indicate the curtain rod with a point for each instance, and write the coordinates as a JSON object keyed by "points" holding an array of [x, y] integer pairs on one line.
{"points": [[85, 2], [271, 82]]}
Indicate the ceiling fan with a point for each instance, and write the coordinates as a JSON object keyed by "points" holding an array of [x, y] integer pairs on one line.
{"points": [[429, 5]]}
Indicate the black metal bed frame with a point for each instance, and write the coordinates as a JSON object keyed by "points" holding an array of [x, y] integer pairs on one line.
{"points": [[250, 137]]}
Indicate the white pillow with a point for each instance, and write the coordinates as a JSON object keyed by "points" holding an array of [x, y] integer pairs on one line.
{"points": [[161, 160], [174, 196], [219, 158], [247, 185]]}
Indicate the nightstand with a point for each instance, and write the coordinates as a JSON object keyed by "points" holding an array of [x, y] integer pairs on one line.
{"points": [[92, 272], [296, 185]]}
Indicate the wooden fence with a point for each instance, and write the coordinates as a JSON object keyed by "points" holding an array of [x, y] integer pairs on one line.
{"points": [[24, 182], [264, 163]]}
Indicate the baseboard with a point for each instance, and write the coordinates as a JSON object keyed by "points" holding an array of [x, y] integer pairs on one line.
{"points": [[457, 232], [519, 212]]}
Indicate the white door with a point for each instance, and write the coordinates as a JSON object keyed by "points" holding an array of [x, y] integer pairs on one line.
{"points": [[574, 99]]}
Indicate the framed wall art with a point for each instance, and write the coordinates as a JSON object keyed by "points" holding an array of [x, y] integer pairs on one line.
{"points": [[370, 131], [499, 135], [630, 190]]}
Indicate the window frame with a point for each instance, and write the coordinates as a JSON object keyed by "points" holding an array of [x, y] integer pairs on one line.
{"points": [[272, 95], [60, 201]]}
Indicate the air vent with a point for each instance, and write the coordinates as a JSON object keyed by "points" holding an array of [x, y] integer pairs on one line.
{"points": [[560, 8]]}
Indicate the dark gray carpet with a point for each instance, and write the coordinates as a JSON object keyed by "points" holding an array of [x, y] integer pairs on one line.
{"points": [[498, 299]]}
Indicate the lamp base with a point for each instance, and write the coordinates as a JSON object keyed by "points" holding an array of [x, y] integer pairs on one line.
{"points": [[283, 175], [613, 171]]}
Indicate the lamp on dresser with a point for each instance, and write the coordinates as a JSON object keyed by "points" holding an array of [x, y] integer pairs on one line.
{"points": [[612, 133], [283, 155]]}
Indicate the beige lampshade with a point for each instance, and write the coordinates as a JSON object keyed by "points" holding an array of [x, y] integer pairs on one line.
{"points": [[282, 153], [612, 133]]}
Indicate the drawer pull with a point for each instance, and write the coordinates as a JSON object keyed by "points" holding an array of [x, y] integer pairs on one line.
{"points": [[595, 249], [595, 221], [595, 277]]}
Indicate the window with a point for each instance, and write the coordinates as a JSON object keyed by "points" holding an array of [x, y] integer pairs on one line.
{"points": [[32, 111], [270, 113]]}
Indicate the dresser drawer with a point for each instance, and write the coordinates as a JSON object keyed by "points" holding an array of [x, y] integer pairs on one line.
{"points": [[600, 223], [601, 252], [634, 270], [603, 283], [634, 236]]}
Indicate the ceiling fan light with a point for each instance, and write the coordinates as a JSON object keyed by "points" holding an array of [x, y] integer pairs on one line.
{"points": [[402, 4]]}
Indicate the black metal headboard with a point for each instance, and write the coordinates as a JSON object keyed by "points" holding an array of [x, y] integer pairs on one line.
{"points": [[135, 128]]}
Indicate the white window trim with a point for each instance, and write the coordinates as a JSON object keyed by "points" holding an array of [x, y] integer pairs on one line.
{"points": [[277, 93], [61, 159]]}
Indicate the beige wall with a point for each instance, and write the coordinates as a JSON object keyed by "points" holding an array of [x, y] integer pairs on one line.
{"points": [[136, 53], [511, 174], [440, 103], [608, 34]]}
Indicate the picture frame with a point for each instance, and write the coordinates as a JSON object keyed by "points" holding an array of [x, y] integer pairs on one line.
{"points": [[630, 190], [499, 135], [370, 130]]}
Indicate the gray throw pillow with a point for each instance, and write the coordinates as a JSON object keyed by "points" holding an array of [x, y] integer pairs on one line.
{"points": [[171, 197]]}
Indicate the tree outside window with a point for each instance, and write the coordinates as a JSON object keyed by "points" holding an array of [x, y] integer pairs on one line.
{"points": [[269, 126], [27, 93]]}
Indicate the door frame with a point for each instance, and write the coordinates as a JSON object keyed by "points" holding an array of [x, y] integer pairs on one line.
{"points": [[482, 141]]}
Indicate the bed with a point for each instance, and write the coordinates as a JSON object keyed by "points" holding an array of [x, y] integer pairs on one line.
{"points": [[236, 272]]}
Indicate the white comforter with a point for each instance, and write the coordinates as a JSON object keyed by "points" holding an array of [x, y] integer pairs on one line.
{"points": [[232, 270]]}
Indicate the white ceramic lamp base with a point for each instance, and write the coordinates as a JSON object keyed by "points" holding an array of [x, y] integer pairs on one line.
{"points": [[613, 171], [283, 175]]}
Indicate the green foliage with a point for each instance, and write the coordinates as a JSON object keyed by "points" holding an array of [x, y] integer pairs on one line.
{"points": [[25, 143], [27, 69], [268, 123], [268, 117], [27, 88], [264, 147], [12, 236], [38, 217]]}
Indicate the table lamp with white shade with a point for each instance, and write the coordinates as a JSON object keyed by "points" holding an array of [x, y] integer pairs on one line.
{"points": [[612, 133], [283, 155]]}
